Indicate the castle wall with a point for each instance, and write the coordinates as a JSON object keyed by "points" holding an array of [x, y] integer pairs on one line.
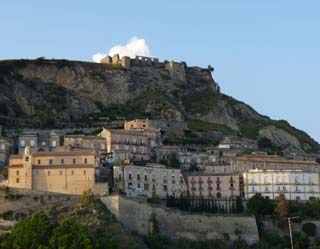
{"points": [[139, 216]]}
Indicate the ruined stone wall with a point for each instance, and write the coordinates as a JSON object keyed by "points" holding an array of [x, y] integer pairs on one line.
{"points": [[139, 217]]}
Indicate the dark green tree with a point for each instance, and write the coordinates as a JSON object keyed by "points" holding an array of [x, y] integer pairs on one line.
{"points": [[70, 235]]}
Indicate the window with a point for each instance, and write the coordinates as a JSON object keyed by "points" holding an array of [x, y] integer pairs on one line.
{"points": [[138, 176], [74, 161], [32, 143], [92, 146], [126, 147], [116, 147], [17, 180], [54, 144], [17, 173], [72, 172], [2, 147], [22, 143], [138, 185], [39, 162], [134, 149], [103, 147], [145, 177], [60, 172], [85, 160], [165, 188], [130, 176], [50, 161], [146, 186], [142, 149], [62, 161], [84, 172], [48, 172], [119, 177]]}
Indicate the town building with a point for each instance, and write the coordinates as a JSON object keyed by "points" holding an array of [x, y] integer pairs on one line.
{"points": [[189, 160], [138, 124], [126, 144], [61, 172], [96, 144], [244, 163], [149, 180], [145, 126], [294, 184], [212, 185], [6, 149], [166, 152], [38, 141]]}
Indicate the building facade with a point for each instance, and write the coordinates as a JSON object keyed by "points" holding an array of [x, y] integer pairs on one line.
{"points": [[248, 162], [201, 185], [294, 184], [45, 141], [149, 180], [96, 144], [6, 149], [126, 144], [138, 124], [60, 172]]}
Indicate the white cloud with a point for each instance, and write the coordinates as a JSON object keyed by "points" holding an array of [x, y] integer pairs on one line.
{"points": [[135, 46]]}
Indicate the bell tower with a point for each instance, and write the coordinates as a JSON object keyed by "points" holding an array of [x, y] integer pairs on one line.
{"points": [[27, 165]]}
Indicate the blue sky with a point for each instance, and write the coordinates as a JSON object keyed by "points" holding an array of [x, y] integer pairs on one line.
{"points": [[265, 53]]}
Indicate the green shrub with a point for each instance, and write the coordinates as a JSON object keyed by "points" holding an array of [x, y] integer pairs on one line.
{"points": [[309, 228]]}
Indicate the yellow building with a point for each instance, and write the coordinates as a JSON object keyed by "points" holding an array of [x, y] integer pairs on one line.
{"points": [[68, 172], [138, 124]]}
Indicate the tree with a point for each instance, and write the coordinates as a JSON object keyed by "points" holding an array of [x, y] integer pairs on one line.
{"points": [[29, 234], [309, 228], [264, 143], [70, 235], [86, 198], [282, 206], [258, 205]]}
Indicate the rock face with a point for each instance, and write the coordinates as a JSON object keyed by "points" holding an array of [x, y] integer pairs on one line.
{"points": [[51, 93], [280, 137]]}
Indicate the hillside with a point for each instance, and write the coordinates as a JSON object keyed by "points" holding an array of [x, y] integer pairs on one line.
{"points": [[61, 93]]}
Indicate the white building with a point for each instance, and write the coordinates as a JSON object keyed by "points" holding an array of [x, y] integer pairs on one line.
{"points": [[151, 179], [294, 184]]}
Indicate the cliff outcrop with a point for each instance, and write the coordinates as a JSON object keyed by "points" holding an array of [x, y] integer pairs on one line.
{"points": [[55, 93]]}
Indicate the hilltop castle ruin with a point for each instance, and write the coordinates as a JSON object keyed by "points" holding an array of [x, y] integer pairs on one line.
{"points": [[177, 70]]}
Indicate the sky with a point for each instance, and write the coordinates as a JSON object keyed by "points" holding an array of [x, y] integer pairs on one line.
{"points": [[265, 53]]}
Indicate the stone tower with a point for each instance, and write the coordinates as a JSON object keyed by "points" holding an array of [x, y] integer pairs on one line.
{"points": [[27, 165]]}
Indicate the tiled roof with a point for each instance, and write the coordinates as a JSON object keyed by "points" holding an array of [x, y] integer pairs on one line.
{"points": [[64, 153], [274, 160]]}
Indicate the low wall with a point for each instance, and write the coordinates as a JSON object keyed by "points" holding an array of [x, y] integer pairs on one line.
{"points": [[143, 218]]}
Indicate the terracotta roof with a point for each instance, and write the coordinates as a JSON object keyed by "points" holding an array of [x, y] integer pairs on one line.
{"points": [[64, 153], [16, 166], [62, 166], [129, 132], [16, 157], [83, 136], [274, 160]]}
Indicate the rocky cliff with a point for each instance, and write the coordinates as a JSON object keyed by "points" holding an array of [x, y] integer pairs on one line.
{"points": [[53, 93]]}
